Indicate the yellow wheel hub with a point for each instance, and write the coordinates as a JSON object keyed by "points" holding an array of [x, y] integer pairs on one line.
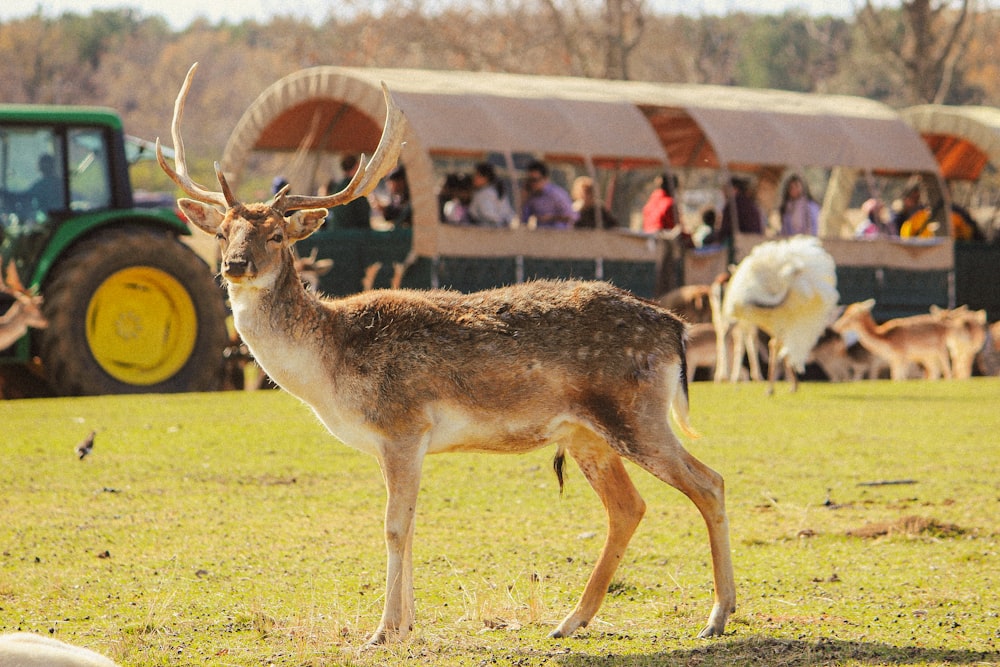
{"points": [[141, 325]]}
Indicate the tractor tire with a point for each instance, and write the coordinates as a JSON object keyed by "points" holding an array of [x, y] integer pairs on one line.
{"points": [[132, 311]]}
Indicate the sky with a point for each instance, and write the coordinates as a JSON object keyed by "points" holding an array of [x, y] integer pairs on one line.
{"points": [[180, 13]]}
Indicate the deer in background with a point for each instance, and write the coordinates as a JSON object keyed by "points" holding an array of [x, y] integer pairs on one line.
{"points": [[26, 311], [401, 374], [920, 339], [966, 337], [841, 362], [988, 359], [311, 269]]}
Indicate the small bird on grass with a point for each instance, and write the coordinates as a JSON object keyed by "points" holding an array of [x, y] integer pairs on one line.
{"points": [[85, 445]]}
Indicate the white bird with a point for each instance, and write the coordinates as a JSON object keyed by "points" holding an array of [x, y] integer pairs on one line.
{"points": [[788, 289]]}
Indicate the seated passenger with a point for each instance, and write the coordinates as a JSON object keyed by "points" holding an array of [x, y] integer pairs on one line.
{"points": [[586, 205], [489, 206], [547, 203]]}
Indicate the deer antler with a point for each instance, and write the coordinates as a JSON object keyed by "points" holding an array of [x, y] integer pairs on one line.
{"points": [[365, 179], [11, 283], [180, 176], [369, 173]]}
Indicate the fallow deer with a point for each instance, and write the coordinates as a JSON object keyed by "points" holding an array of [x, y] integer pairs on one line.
{"points": [[401, 374], [841, 362], [966, 337], [988, 359], [311, 269], [26, 311], [920, 339]]}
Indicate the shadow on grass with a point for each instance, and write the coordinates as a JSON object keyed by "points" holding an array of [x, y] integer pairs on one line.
{"points": [[786, 653]]}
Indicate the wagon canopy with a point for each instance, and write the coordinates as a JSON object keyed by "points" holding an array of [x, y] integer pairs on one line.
{"points": [[744, 128], [692, 125], [447, 112], [324, 110], [963, 139]]}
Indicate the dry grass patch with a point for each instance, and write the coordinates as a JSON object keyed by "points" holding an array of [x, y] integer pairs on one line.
{"points": [[909, 526]]}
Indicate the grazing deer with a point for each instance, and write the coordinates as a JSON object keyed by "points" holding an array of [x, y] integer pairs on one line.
{"points": [[966, 337], [920, 339], [988, 359], [26, 311], [701, 350], [403, 374], [691, 302], [841, 362]]}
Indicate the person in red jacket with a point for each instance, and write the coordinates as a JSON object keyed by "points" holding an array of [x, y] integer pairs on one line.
{"points": [[660, 211]]}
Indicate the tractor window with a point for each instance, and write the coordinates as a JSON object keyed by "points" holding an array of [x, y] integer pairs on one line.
{"points": [[33, 182], [89, 174]]}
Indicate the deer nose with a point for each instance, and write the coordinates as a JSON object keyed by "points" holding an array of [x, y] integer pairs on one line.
{"points": [[235, 268]]}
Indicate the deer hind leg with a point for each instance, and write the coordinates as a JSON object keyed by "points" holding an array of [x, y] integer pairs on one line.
{"points": [[402, 482], [752, 334], [722, 338], [793, 378], [772, 367], [606, 473], [944, 361], [667, 460], [739, 347]]}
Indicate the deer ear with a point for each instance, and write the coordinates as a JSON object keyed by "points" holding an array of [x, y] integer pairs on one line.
{"points": [[301, 224], [205, 217]]}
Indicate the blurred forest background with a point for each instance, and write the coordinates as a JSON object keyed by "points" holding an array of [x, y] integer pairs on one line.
{"points": [[903, 53]]}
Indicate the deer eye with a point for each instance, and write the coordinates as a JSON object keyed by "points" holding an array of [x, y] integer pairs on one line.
{"points": [[277, 237], [220, 236]]}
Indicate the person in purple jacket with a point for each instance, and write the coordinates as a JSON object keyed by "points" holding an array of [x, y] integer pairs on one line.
{"points": [[546, 202]]}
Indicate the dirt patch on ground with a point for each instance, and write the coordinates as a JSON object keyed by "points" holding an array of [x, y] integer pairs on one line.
{"points": [[910, 526]]}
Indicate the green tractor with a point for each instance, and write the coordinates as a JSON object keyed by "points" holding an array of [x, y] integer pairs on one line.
{"points": [[130, 307]]}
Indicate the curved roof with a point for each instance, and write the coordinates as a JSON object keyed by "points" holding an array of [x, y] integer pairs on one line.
{"points": [[696, 125], [748, 128], [449, 112], [963, 139]]}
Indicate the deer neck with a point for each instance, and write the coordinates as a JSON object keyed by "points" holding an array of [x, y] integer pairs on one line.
{"points": [[279, 323], [13, 325], [872, 337]]}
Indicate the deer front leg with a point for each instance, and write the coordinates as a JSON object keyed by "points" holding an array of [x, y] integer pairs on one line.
{"points": [[721, 350], [604, 470], [705, 487], [739, 347], [793, 378], [402, 482], [753, 356]]}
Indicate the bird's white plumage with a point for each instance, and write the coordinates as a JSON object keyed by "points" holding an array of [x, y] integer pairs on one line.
{"points": [[788, 288]]}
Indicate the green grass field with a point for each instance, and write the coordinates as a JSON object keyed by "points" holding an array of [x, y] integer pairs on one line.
{"points": [[230, 529]]}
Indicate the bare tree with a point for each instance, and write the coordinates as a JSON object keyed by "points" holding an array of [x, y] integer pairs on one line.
{"points": [[597, 43], [926, 38]]}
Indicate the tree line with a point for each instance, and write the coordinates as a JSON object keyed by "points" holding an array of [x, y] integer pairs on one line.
{"points": [[918, 51]]}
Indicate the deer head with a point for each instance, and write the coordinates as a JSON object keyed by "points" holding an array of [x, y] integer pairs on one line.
{"points": [[311, 269], [26, 311], [256, 238]]}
